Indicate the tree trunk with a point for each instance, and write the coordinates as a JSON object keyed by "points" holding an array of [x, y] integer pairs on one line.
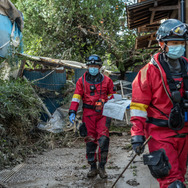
{"points": [[122, 75]]}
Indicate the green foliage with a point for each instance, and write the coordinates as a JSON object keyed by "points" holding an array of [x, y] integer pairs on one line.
{"points": [[75, 29], [70, 29], [17, 102], [18, 116]]}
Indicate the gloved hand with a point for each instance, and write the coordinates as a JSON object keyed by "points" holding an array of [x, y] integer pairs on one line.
{"points": [[72, 117], [137, 142], [137, 148]]}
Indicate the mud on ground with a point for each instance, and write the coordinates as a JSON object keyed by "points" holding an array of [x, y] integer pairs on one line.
{"points": [[67, 168]]}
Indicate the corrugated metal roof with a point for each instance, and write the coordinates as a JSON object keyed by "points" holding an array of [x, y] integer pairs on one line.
{"points": [[139, 14]]}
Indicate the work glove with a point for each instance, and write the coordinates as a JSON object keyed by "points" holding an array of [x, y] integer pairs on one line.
{"points": [[72, 117], [137, 142]]}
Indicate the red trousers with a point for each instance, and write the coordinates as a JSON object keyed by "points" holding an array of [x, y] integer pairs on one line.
{"points": [[177, 151], [97, 136]]}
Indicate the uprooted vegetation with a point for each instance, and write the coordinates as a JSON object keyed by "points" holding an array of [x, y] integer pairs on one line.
{"points": [[19, 116]]}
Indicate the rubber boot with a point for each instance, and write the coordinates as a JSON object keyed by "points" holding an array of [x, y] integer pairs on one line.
{"points": [[93, 171], [102, 171]]}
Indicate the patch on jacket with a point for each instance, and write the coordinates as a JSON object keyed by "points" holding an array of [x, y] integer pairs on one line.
{"points": [[144, 73]]}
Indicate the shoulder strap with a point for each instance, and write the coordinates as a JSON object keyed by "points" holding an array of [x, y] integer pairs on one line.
{"points": [[170, 80], [83, 82], [164, 86], [183, 63]]}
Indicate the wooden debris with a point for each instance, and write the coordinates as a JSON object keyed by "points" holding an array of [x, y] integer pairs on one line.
{"points": [[42, 104], [54, 62], [59, 62], [20, 72]]}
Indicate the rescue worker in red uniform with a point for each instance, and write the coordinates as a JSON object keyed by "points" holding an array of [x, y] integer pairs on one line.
{"points": [[159, 107], [94, 89]]}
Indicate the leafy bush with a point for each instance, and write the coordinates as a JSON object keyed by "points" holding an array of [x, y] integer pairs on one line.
{"points": [[19, 115]]}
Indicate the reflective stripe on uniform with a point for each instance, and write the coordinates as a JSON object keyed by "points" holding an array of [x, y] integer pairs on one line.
{"points": [[138, 109], [138, 113], [76, 98]]}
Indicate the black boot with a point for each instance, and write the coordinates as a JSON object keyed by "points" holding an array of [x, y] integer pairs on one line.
{"points": [[93, 171], [102, 171], [104, 145]]}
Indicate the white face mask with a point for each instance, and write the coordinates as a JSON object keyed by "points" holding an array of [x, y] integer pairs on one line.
{"points": [[175, 51]]}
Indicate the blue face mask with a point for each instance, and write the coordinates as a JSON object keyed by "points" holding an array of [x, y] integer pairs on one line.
{"points": [[175, 51], [93, 71]]}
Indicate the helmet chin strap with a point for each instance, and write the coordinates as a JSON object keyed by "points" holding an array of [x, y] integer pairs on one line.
{"points": [[164, 50]]}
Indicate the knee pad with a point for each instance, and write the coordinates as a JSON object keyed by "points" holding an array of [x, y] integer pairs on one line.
{"points": [[158, 164], [104, 143], [177, 184], [90, 151]]}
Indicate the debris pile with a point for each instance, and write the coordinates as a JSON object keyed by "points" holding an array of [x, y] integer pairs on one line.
{"points": [[19, 114], [19, 117]]}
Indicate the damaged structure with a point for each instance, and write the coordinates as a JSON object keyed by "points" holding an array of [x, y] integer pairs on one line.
{"points": [[146, 16]]}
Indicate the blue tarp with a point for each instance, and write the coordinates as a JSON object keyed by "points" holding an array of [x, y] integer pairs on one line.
{"points": [[5, 33]]}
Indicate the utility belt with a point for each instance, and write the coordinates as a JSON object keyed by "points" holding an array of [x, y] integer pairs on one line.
{"points": [[88, 106], [164, 123], [97, 107], [158, 122]]}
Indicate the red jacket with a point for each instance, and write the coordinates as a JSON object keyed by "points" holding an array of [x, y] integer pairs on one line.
{"points": [[147, 89], [104, 90]]}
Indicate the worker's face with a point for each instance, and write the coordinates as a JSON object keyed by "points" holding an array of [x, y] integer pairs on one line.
{"points": [[171, 43]]}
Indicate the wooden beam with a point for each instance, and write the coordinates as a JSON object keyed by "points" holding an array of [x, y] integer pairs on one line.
{"points": [[21, 69], [163, 8], [150, 41], [152, 17], [53, 62]]}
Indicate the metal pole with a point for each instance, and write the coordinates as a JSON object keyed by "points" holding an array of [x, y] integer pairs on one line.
{"points": [[131, 161], [182, 12], [182, 9]]}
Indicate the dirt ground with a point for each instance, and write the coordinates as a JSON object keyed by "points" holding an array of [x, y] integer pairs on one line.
{"points": [[67, 168]]}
